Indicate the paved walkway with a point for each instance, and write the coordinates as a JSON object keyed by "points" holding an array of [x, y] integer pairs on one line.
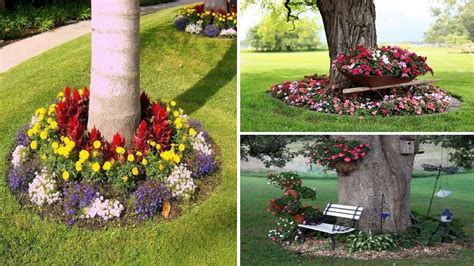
{"points": [[13, 54]]}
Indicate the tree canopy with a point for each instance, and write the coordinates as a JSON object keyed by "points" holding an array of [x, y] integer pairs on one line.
{"points": [[275, 33]]}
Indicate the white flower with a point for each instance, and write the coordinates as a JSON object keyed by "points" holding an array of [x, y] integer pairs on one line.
{"points": [[34, 119], [19, 155], [200, 145], [42, 190], [228, 32], [194, 28], [103, 208], [180, 182]]}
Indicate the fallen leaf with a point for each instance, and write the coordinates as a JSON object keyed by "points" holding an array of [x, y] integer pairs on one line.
{"points": [[166, 209]]}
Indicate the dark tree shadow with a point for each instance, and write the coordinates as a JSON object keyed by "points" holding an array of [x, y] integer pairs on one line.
{"points": [[222, 73]]}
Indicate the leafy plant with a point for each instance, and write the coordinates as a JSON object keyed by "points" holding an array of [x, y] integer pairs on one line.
{"points": [[366, 240]]}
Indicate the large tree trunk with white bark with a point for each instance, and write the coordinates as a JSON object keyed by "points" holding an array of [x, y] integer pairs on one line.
{"points": [[347, 23], [215, 5], [115, 71], [384, 171]]}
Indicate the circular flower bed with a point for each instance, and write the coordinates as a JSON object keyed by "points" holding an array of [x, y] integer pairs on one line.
{"points": [[80, 178], [312, 93], [195, 19]]}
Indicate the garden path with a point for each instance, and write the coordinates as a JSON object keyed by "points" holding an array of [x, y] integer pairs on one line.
{"points": [[13, 54]]}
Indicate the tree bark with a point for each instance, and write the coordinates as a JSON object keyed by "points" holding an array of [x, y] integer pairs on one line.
{"points": [[215, 5], [2, 6], [347, 23], [384, 171], [115, 71]]}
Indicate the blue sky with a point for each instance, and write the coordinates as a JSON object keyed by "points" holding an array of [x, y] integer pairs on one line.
{"points": [[397, 21]]}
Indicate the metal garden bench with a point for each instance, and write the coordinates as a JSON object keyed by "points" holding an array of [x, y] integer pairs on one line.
{"points": [[340, 211]]}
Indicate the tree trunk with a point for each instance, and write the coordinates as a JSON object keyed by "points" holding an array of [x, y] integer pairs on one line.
{"points": [[215, 5], [115, 71], [384, 171], [347, 23], [2, 6]]}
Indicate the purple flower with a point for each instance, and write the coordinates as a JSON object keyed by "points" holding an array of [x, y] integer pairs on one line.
{"points": [[20, 176], [202, 164], [212, 30], [22, 138], [76, 197], [149, 198], [180, 23]]}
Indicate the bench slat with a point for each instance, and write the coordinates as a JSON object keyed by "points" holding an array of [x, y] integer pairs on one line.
{"points": [[348, 207], [342, 215], [343, 211], [326, 228]]}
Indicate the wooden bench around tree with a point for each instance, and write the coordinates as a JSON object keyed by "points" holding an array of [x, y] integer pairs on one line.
{"points": [[340, 211], [365, 89]]}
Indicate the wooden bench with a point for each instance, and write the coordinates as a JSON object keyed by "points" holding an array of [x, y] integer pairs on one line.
{"points": [[340, 211], [365, 89]]}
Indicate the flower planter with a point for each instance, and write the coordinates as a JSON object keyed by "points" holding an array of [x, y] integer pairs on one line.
{"points": [[298, 218], [346, 168], [377, 81]]}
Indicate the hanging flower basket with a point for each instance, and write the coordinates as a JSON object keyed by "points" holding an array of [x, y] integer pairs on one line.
{"points": [[377, 81], [346, 168]]}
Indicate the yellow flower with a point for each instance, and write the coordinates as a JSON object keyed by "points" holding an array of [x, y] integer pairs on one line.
{"points": [[53, 125], [168, 109], [84, 155], [144, 161], [107, 165], [30, 132], [176, 113], [78, 166], [125, 178], [61, 150], [96, 167], [34, 145], [94, 154], [161, 167], [181, 147], [44, 134], [131, 158], [192, 132], [153, 143], [120, 150], [60, 94], [43, 157], [139, 153], [177, 159], [97, 144], [66, 175], [134, 171], [55, 145], [173, 103]]}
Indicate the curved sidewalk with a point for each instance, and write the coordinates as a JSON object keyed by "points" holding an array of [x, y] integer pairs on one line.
{"points": [[13, 54]]}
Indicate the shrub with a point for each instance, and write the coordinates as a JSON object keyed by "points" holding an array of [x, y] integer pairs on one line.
{"points": [[150, 197], [212, 31], [366, 240]]}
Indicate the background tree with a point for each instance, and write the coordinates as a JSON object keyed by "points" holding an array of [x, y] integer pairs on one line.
{"points": [[115, 69], [454, 22], [462, 153], [275, 33]]}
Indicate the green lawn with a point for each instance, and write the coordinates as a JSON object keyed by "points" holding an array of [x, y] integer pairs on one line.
{"points": [[260, 112], [256, 248], [201, 74]]}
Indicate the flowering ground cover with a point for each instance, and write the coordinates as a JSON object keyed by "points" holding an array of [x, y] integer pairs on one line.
{"points": [[256, 248], [259, 71], [206, 89], [211, 23]]}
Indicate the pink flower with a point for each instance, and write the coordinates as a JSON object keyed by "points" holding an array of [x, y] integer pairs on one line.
{"points": [[347, 159], [362, 154]]}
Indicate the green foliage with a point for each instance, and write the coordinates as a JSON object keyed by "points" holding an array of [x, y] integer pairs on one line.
{"points": [[366, 240], [275, 33], [462, 145], [27, 20], [430, 232]]}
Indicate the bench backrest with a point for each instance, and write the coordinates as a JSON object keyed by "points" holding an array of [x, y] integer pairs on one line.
{"points": [[343, 211]]}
